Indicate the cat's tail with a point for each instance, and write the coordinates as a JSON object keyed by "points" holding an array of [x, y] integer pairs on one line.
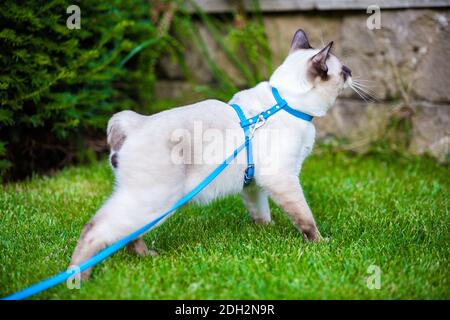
{"points": [[120, 126]]}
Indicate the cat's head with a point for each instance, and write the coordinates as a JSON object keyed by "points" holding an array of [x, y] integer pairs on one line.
{"points": [[310, 79]]}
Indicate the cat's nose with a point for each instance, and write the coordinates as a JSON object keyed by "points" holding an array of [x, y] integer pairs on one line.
{"points": [[346, 72]]}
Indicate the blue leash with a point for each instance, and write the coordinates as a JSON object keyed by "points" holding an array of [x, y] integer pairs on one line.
{"points": [[256, 121], [105, 253]]}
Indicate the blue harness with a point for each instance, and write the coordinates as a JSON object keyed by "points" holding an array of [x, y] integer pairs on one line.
{"points": [[249, 125]]}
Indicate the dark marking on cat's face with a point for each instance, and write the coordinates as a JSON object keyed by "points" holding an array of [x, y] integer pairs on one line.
{"points": [[316, 72], [318, 69]]}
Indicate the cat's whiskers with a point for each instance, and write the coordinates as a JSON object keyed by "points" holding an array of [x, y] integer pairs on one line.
{"points": [[363, 81], [363, 90], [366, 97], [365, 85], [360, 94]]}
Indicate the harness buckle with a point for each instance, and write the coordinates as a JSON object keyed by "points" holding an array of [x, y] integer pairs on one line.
{"points": [[249, 174], [261, 121]]}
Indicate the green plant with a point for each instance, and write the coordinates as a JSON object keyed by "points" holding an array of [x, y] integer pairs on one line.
{"points": [[244, 43], [58, 87]]}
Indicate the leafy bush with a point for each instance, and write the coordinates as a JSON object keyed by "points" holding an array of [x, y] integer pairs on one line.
{"points": [[58, 87]]}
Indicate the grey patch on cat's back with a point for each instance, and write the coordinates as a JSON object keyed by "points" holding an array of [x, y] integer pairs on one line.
{"points": [[115, 135], [116, 139], [114, 161]]}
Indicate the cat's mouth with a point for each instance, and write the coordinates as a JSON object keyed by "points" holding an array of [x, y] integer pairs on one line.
{"points": [[347, 76], [348, 82]]}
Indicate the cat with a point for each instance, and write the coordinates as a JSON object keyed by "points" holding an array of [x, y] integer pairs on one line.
{"points": [[149, 181]]}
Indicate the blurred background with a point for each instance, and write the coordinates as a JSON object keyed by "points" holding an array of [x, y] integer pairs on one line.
{"points": [[59, 86]]}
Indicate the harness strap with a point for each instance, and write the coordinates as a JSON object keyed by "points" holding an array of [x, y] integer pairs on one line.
{"points": [[253, 121], [287, 108], [250, 171]]}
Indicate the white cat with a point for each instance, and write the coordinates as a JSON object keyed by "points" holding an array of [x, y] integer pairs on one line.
{"points": [[149, 181]]}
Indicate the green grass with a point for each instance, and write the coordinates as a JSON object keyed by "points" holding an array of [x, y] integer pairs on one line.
{"points": [[376, 210]]}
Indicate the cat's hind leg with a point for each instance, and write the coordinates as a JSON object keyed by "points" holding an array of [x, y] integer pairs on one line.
{"points": [[139, 248], [121, 215]]}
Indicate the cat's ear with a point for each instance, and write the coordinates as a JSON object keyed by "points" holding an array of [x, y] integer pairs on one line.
{"points": [[319, 60], [300, 41]]}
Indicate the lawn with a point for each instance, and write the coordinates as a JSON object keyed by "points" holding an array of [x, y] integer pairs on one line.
{"points": [[386, 211]]}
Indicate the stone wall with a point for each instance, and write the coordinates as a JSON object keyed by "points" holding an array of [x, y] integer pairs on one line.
{"points": [[407, 61]]}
